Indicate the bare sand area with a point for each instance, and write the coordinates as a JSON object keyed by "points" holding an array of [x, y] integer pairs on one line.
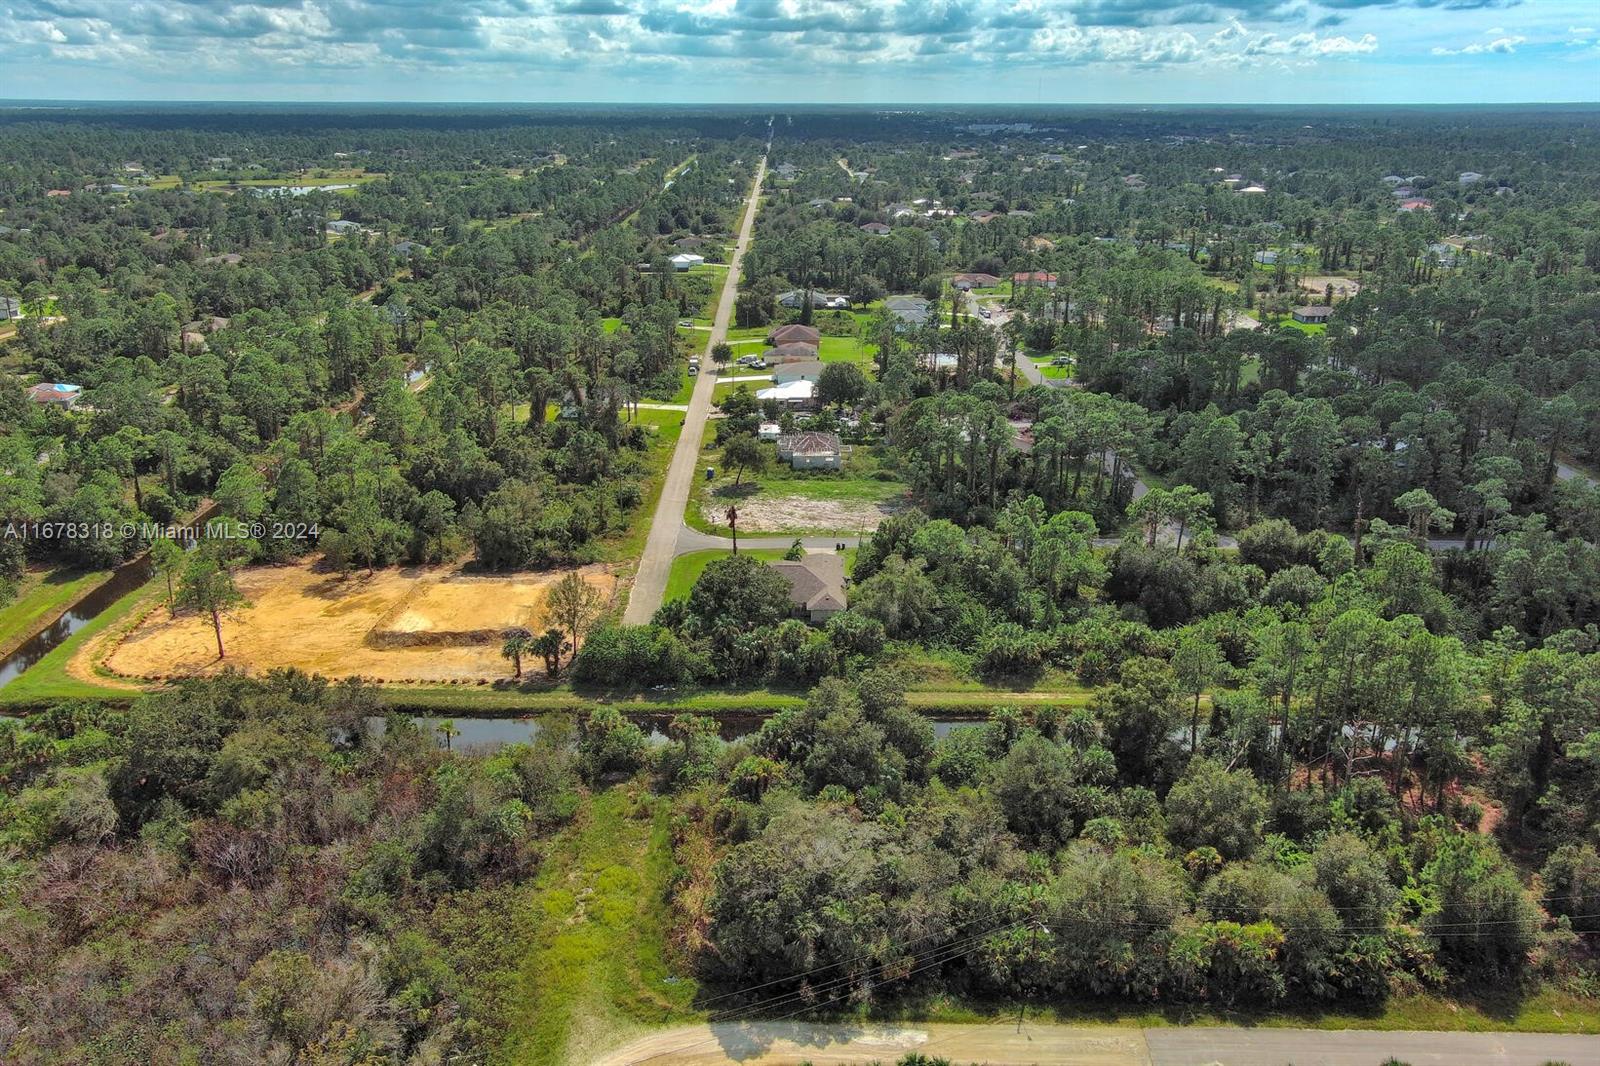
{"points": [[433, 623], [1342, 286], [782, 514]]}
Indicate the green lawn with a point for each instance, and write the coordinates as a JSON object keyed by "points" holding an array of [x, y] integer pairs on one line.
{"points": [[668, 428], [847, 350], [610, 325], [48, 679], [1310, 329], [686, 569], [725, 387], [857, 482], [595, 934], [42, 597]]}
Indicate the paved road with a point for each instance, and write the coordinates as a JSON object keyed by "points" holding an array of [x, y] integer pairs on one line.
{"points": [[650, 583], [772, 1043]]}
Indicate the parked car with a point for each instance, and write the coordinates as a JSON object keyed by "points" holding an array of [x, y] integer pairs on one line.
{"points": [[983, 312], [758, 363], [685, 323], [1061, 360]]}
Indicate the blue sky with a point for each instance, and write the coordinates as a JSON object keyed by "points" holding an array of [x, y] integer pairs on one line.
{"points": [[825, 51]]}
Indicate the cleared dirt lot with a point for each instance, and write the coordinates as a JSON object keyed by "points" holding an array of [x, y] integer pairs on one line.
{"points": [[781, 514], [1342, 287], [411, 624]]}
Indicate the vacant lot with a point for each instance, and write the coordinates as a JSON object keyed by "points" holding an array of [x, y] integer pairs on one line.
{"points": [[413, 624], [1342, 287]]}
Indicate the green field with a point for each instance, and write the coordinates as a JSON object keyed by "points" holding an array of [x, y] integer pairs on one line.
{"points": [[594, 928], [48, 679], [1310, 329], [41, 598], [686, 569], [862, 480]]}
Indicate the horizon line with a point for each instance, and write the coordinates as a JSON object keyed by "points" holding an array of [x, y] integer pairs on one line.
{"points": [[763, 104]]}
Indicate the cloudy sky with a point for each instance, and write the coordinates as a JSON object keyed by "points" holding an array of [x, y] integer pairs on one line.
{"points": [[742, 51]]}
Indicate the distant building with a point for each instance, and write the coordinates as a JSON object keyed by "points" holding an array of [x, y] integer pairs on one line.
{"points": [[58, 192], [794, 394], [877, 229], [55, 394], [1314, 314], [800, 370], [1252, 190], [1034, 277], [794, 351], [810, 450], [910, 310], [1415, 205], [225, 259], [1469, 177], [410, 248], [967, 282], [685, 243], [343, 227], [769, 431], [686, 260], [816, 585], [794, 333]]}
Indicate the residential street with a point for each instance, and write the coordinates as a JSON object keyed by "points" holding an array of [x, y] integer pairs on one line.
{"points": [[1007, 1044], [650, 582]]}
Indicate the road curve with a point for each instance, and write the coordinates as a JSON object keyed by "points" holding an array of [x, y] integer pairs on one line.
{"points": [[762, 1043], [655, 564]]}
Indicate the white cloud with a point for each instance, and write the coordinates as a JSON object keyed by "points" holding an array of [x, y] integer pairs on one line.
{"points": [[1498, 46]]}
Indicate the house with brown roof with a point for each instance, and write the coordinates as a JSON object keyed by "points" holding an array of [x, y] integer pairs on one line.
{"points": [[966, 282], [55, 394], [795, 333], [877, 229], [788, 353], [816, 585], [811, 450], [1034, 277]]}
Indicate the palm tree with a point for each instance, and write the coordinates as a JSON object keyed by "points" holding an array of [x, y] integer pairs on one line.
{"points": [[518, 642], [447, 729]]}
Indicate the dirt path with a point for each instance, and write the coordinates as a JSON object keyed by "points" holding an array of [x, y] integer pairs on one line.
{"points": [[655, 565], [998, 1044]]}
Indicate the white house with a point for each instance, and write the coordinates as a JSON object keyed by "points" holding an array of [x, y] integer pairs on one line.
{"points": [[686, 260], [804, 370], [794, 394], [811, 450], [769, 431]]}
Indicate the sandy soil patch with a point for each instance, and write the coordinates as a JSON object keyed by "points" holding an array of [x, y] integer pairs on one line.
{"points": [[783, 514], [1342, 287], [411, 624]]}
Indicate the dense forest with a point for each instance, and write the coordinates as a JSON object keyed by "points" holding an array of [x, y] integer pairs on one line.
{"points": [[1247, 500]]}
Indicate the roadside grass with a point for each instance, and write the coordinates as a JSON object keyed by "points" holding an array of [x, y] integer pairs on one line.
{"points": [[48, 679], [1058, 373], [686, 569], [627, 548], [726, 387], [42, 597], [595, 972]]}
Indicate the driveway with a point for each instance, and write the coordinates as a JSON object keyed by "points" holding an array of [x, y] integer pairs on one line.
{"points": [[655, 564]]}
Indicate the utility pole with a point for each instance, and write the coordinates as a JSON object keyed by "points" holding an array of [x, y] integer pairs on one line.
{"points": [[733, 524]]}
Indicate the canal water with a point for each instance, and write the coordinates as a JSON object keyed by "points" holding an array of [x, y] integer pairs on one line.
{"points": [[486, 734], [127, 578]]}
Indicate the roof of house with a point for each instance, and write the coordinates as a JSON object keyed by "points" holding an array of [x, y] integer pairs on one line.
{"points": [[905, 303], [54, 392], [795, 333], [1416, 205], [791, 350], [1314, 310], [790, 390], [1033, 276], [816, 582], [810, 442], [979, 280], [804, 368], [875, 227]]}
